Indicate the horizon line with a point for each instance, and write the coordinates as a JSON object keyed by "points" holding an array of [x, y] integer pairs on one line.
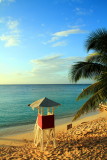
{"points": [[42, 83]]}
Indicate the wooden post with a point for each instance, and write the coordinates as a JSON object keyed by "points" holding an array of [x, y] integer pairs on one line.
{"points": [[38, 110], [54, 142], [48, 111], [52, 110], [42, 111], [42, 139]]}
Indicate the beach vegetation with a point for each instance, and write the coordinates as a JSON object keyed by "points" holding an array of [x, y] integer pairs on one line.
{"points": [[93, 67]]}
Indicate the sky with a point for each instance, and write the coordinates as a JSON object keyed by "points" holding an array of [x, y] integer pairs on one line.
{"points": [[40, 40]]}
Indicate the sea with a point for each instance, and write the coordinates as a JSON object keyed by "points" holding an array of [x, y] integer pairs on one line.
{"points": [[15, 113]]}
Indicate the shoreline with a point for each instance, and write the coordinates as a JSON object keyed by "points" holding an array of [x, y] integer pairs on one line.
{"points": [[26, 128], [20, 139]]}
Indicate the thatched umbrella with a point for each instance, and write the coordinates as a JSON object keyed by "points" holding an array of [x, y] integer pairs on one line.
{"points": [[44, 102]]}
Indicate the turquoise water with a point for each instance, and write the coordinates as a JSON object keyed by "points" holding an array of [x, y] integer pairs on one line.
{"points": [[14, 100]]}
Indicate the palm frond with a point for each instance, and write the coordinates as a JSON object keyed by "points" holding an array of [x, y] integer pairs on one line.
{"points": [[84, 70], [103, 77], [97, 41], [92, 103], [97, 57], [92, 89]]}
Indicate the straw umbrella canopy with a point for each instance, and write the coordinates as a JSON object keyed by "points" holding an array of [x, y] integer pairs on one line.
{"points": [[44, 102]]}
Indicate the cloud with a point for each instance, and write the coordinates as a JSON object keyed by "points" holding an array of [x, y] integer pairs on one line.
{"points": [[68, 32], [1, 20], [12, 24], [77, 26], [10, 40], [1, 1], [11, 0], [11, 35], [7, 1], [52, 69], [63, 43], [82, 11], [53, 39], [68, 1], [52, 66], [58, 35]]}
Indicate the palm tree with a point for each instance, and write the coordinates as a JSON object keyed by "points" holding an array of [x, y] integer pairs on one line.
{"points": [[94, 67]]}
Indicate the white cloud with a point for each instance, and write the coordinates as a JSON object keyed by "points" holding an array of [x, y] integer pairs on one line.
{"points": [[11, 35], [77, 26], [52, 66], [68, 32], [57, 35], [53, 39], [10, 40], [7, 1], [11, 0], [1, 20], [1, 1], [12, 24], [52, 69], [62, 43], [68, 1], [82, 11]]}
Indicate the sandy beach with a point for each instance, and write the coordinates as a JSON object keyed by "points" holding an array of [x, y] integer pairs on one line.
{"points": [[86, 140]]}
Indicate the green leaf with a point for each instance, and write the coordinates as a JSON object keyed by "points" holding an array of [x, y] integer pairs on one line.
{"points": [[92, 103], [97, 41], [98, 58], [93, 88], [85, 70]]}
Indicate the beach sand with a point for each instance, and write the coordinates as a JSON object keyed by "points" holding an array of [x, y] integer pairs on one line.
{"points": [[86, 140]]}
